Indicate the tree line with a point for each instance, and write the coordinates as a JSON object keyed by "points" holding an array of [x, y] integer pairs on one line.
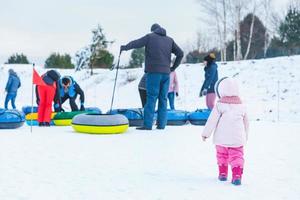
{"points": [[246, 29], [231, 32]]}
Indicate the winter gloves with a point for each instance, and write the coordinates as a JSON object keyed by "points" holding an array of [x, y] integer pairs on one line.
{"points": [[58, 108], [172, 69], [82, 107], [122, 48], [203, 92]]}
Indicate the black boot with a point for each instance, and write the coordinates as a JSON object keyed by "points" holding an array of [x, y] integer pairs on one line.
{"points": [[47, 124], [144, 128], [41, 123]]}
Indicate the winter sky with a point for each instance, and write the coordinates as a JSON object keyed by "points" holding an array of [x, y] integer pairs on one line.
{"points": [[38, 28]]}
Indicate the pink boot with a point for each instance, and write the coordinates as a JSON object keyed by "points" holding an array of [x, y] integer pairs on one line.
{"points": [[237, 175], [223, 171]]}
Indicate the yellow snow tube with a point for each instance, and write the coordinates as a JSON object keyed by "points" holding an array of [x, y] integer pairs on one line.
{"points": [[100, 124], [34, 116], [62, 122], [100, 129]]}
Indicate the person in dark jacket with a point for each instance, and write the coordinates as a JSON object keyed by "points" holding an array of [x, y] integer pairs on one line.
{"points": [[211, 77], [158, 50], [45, 95], [69, 89], [142, 90], [12, 86]]}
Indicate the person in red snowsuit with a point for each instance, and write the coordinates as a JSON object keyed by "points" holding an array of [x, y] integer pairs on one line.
{"points": [[45, 95]]}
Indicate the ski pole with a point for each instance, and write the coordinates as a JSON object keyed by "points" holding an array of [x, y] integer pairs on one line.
{"points": [[113, 95]]}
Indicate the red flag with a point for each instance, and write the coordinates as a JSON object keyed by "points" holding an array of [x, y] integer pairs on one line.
{"points": [[37, 79]]}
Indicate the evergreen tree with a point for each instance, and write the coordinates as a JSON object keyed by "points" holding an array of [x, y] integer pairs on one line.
{"points": [[55, 60], [258, 37], [257, 42], [17, 59], [137, 58], [289, 29], [96, 54]]}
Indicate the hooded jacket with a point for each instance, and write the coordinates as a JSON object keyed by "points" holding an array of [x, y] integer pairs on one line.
{"points": [[228, 121], [72, 91], [158, 50], [211, 77], [13, 82]]}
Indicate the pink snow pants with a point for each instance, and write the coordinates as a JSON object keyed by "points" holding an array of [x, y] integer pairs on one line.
{"points": [[210, 100], [233, 156]]}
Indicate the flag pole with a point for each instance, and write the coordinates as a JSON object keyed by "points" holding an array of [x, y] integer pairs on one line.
{"points": [[32, 88]]}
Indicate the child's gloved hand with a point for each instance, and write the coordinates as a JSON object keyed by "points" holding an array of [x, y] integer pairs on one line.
{"points": [[204, 92], [204, 138]]}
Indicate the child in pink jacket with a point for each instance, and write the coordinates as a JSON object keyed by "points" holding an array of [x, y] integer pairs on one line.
{"points": [[173, 89], [229, 123]]}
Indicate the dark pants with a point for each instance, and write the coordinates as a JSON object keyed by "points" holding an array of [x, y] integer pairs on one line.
{"points": [[143, 97], [171, 97], [157, 88], [10, 97], [72, 102]]}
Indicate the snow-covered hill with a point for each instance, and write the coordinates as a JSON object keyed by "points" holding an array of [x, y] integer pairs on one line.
{"points": [[173, 164], [270, 87]]}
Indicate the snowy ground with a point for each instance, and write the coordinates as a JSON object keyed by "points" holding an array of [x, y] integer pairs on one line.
{"points": [[57, 163], [270, 87]]}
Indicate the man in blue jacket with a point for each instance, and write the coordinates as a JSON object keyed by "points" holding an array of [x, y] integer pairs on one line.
{"points": [[11, 88], [158, 50], [69, 89]]}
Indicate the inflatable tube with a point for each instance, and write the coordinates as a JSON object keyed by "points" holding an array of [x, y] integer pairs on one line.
{"points": [[100, 124], [135, 116], [199, 117], [34, 116], [177, 117], [36, 123], [11, 119], [27, 109], [65, 118]]}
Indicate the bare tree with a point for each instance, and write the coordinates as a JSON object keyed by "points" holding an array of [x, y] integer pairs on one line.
{"points": [[224, 5], [266, 4], [202, 42], [251, 31], [217, 10], [238, 10]]}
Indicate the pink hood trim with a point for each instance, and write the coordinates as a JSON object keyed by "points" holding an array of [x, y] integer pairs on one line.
{"points": [[231, 100]]}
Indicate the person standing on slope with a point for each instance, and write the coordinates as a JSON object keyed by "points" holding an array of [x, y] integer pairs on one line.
{"points": [[211, 77], [229, 123], [12, 86], [158, 50], [173, 89]]}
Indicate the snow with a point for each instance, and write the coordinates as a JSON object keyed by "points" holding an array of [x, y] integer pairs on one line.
{"points": [[57, 163]]}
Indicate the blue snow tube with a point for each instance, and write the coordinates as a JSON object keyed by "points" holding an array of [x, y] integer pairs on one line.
{"points": [[177, 117], [199, 117], [135, 116], [27, 109], [11, 119], [93, 109]]}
